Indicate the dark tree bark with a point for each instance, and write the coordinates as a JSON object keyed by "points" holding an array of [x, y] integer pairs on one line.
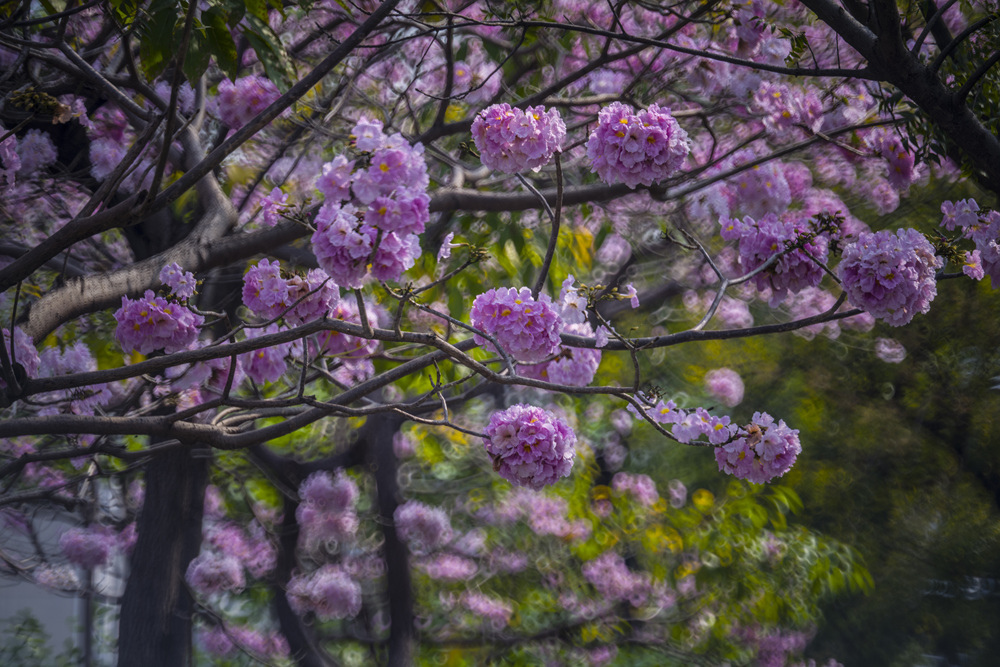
{"points": [[382, 461], [155, 625]]}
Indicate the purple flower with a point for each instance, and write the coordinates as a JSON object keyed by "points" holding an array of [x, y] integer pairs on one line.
{"points": [[368, 135], [525, 328], [635, 148], [272, 206], [329, 592], [212, 573], [495, 612], [341, 345], [530, 446], [573, 366], [335, 180], [889, 350], [36, 151], [512, 140], [891, 275], [973, 265], [423, 528], [268, 363], [343, 245], [726, 385], [760, 240], [23, 352], [153, 323], [609, 574], [88, 547], [326, 511], [181, 283], [760, 451], [269, 294], [448, 567], [239, 102]]}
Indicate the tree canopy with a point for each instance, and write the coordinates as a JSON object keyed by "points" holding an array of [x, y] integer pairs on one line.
{"points": [[476, 332]]}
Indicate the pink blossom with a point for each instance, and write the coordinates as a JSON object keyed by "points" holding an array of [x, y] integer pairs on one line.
{"points": [[181, 283], [88, 547], [526, 329], [422, 527], [153, 323], [761, 451], [889, 350], [211, 573], [239, 102], [726, 385], [530, 446], [891, 275], [635, 148], [511, 140], [329, 592]]}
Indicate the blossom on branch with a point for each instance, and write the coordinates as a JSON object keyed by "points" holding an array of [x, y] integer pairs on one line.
{"points": [[530, 446], [525, 328], [636, 148], [511, 140], [891, 275], [153, 323], [760, 451]]}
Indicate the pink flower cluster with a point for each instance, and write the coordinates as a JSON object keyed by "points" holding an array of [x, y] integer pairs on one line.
{"points": [[220, 640], [88, 547], [153, 323], [641, 487], [574, 366], [689, 425], [726, 385], [448, 567], [983, 229], [329, 592], [376, 234], [212, 573], [326, 510], [526, 329], [530, 446], [511, 140], [239, 102], [609, 574], [495, 612], [760, 451], [22, 352], [785, 107], [269, 294], [891, 275], [636, 148], [760, 240], [423, 528], [268, 363], [181, 283]]}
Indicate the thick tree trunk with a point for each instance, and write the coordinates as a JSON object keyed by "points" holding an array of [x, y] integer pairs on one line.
{"points": [[382, 460], [155, 625]]}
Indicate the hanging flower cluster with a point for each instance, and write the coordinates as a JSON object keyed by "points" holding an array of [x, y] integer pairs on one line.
{"points": [[153, 323], [890, 274], [530, 446], [526, 328], [761, 451], [636, 148], [511, 140]]}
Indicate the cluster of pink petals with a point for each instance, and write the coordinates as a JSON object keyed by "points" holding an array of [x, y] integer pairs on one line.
{"points": [[239, 102], [341, 345], [153, 323], [689, 425], [181, 283], [329, 592], [574, 366], [612, 578], [530, 446], [526, 329], [213, 572], [760, 451], [268, 363], [636, 148], [270, 294], [220, 640], [88, 547], [326, 511], [891, 275], [760, 240], [641, 487], [22, 352], [983, 229], [448, 567], [495, 612], [785, 107], [511, 140], [726, 385], [423, 528], [375, 232]]}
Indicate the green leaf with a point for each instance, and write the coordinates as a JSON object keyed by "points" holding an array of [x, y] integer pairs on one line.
{"points": [[198, 53], [220, 41], [156, 44]]}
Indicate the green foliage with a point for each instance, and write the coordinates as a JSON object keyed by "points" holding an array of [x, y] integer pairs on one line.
{"points": [[25, 643]]}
